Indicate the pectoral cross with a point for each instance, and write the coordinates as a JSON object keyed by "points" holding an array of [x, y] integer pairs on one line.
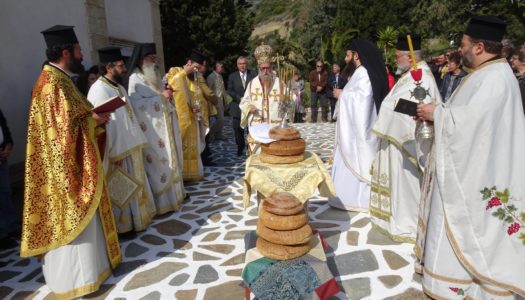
{"points": [[274, 95], [256, 94]]}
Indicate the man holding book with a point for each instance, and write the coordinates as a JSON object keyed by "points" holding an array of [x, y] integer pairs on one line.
{"points": [[398, 167], [128, 185]]}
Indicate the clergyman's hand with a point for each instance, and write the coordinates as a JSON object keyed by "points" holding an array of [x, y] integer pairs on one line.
{"points": [[167, 93], [425, 112], [337, 93], [6, 151], [102, 118]]}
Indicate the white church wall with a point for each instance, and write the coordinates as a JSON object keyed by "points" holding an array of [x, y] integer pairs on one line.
{"points": [[123, 17], [22, 53]]}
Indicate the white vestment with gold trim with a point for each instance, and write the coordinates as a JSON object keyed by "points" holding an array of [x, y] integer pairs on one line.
{"points": [[253, 98], [157, 118], [398, 166], [475, 236], [128, 185]]}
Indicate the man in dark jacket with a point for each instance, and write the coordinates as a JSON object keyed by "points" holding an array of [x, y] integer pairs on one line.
{"points": [[335, 81], [237, 83], [318, 82], [7, 210]]}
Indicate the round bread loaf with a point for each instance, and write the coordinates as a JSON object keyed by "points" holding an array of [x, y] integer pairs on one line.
{"points": [[283, 200], [279, 211], [277, 222], [284, 134], [297, 236], [274, 159], [284, 148], [281, 252]]}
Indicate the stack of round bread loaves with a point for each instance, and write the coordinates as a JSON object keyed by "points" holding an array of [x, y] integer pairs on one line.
{"points": [[283, 231], [289, 147]]}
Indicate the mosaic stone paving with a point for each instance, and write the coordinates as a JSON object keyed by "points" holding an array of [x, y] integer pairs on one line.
{"points": [[198, 252]]}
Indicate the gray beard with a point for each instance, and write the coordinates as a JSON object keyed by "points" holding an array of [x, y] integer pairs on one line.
{"points": [[466, 60], [152, 76], [267, 79], [400, 71]]}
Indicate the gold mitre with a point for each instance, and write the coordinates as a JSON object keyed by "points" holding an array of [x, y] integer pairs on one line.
{"points": [[263, 54]]}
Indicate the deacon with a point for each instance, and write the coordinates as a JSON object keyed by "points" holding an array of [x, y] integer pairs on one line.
{"points": [[190, 95], [158, 120], [133, 204], [355, 145], [67, 216], [475, 236], [399, 162]]}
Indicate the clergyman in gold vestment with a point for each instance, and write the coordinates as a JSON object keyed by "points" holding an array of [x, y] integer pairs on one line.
{"points": [[193, 128], [67, 217]]}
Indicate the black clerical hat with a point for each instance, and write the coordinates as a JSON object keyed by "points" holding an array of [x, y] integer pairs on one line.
{"points": [[487, 28], [109, 55], [402, 41], [59, 35], [148, 48], [197, 57]]}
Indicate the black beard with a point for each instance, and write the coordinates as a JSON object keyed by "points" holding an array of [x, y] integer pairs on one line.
{"points": [[349, 69], [75, 65], [117, 77]]}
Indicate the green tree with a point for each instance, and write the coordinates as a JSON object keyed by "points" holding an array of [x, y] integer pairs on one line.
{"points": [[448, 18], [386, 41], [219, 28]]}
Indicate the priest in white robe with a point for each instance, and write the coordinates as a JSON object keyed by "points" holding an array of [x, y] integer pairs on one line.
{"points": [[157, 118], [355, 145], [475, 235], [398, 167], [128, 185]]}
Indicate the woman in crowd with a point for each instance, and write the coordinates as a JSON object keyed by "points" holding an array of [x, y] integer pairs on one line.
{"points": [[453, 76]]}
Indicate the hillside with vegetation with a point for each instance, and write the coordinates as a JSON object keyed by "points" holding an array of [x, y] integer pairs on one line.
{"points": [[307, 30]]}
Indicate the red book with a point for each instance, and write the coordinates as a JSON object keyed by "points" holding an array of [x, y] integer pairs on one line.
{"points": [[110, 105]]}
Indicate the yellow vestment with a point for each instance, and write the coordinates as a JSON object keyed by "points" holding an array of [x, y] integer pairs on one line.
{"points": [[64, 180], [192, 131]]}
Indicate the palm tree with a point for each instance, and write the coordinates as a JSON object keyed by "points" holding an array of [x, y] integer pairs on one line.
{"points": [[387, 40]]}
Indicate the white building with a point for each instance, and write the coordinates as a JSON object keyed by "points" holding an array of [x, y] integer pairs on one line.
{"points": [[98, 23]]}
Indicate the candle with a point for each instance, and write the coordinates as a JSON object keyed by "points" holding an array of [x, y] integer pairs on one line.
{"points": [[412, 55]]}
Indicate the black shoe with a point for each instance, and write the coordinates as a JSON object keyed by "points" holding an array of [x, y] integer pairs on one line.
{"points": [[209, 163], [127, 236], [7, 243]]}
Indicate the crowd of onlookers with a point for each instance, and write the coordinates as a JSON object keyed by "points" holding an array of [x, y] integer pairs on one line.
{"points": [[448, 70]]}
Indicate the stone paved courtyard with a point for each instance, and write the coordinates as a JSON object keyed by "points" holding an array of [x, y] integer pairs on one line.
{"points": [[198, 252]]}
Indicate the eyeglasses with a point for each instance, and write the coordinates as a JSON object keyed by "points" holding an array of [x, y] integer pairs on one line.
{"points": [[319, 66]]}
